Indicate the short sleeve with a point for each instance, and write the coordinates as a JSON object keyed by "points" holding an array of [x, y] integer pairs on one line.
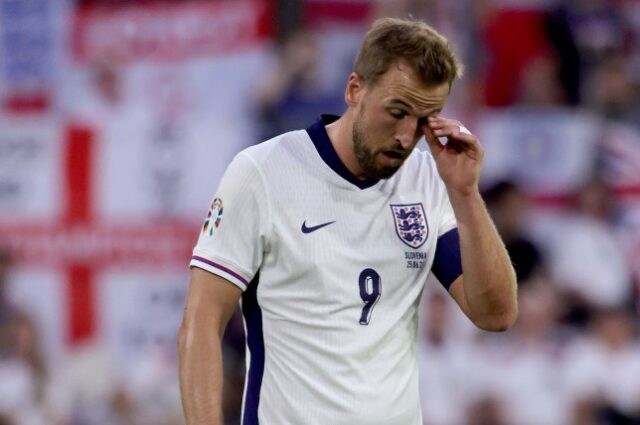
{"points": [[234, 232], [447, 216]]}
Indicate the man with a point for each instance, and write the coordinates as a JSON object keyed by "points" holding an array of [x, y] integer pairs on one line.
{"points": [[327, 236], [507, 205]]}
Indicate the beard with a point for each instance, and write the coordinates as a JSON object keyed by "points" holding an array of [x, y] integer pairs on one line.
{"points": [[366, 156]]}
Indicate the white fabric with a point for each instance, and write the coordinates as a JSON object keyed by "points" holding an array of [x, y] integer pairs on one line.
{"points": [[597, 372], [321, 365], [444, 380], [523, 376], [18, 388], [587, 258]]}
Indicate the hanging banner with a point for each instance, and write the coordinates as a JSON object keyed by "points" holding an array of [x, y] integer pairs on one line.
{"points": [[170, 31], [546, 151]]}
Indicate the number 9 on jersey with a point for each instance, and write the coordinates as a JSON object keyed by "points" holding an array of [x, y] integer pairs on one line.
{"points": [[370, 290]]}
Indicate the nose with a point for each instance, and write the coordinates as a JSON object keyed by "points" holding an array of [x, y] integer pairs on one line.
{"points": [[407, 132]]}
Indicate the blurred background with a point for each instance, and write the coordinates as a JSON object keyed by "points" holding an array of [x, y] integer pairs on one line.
{"points": [[118, 118]]}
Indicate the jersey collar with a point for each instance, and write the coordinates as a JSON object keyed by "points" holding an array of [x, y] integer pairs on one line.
{"points": [[318, 134]]}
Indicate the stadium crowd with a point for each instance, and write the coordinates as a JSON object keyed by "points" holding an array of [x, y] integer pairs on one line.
{"points": [[573, 357]]}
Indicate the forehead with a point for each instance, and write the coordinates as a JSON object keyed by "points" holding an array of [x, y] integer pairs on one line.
{"points": [[400, 83]]}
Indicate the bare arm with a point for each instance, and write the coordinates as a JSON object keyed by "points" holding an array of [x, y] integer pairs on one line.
{"points": [[487, 290], [211, 301]]}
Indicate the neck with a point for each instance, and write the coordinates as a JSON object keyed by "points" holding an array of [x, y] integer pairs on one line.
{"points": [[340, 133]]}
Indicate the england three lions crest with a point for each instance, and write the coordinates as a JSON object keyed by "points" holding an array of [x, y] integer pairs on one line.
{"points": [[411, 224]]}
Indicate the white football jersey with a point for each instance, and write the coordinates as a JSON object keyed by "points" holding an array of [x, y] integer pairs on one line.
{"points": [[332, 270]]}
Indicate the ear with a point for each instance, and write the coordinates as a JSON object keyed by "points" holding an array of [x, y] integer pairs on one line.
{"points": [[354, 91]]}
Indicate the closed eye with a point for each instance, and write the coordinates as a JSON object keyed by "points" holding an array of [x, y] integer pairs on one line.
{"points": [[397, 113]]}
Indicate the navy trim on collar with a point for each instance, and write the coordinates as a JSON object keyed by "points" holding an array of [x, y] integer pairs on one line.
{"points": [[318, 134]]}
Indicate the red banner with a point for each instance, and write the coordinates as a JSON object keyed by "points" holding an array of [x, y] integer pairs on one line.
{"points": [[327, 12], [148, 244], [169, 31]]}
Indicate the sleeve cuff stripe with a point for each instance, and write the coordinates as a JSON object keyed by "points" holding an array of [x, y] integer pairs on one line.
{"points": [[223, 268]]}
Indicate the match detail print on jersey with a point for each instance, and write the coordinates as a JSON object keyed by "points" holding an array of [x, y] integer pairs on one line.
{"points": [[310, 229], [411, 224]]}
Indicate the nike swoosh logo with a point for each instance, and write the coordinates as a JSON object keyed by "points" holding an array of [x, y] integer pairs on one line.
{"points": [[306, 229]]}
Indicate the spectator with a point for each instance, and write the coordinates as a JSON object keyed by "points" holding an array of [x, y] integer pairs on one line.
{"points": [[603, 369], [6, 420], [8, 311], [291, 94], [530, 390], [586, 259], [487, 410], [612, 93], [23, 374], [442, 364], [508, 207], [539, 85], [514, 36], [598, 28]]}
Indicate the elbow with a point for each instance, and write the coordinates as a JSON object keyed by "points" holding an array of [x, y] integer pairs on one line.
{"points": [[496, 325], [501, 312], [501, 321]]}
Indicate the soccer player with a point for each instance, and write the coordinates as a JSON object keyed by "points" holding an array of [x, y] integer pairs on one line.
{"points": [[326, 237]]}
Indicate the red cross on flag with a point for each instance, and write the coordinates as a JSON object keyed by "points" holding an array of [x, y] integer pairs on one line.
{"points": [[73, 244]]}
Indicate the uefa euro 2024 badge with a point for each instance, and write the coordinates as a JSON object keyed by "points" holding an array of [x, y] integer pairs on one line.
{"points": [[411, 224], [214, 217]]}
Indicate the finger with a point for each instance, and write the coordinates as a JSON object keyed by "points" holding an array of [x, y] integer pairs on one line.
{"points": [[460, 141], [467, 143], [455, 132], [456, 146], [438, 122], [449, 124], [433, 142]]}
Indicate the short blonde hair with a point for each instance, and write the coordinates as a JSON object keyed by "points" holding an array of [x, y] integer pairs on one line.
{"points": [[428, 53]]}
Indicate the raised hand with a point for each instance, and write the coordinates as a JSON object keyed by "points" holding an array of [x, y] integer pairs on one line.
{"points": [[459, 160]]}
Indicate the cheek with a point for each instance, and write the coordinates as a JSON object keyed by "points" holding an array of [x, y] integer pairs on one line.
{"points": [[384, 126], [378, 127]]}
